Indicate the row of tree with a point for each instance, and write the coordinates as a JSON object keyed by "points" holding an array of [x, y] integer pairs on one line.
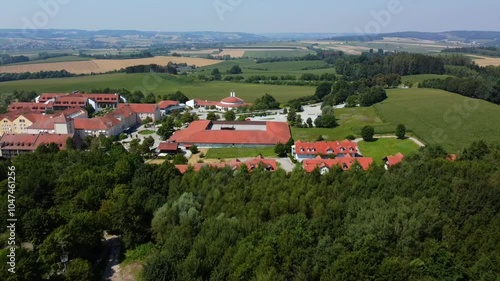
{"points": [[4, 77]]}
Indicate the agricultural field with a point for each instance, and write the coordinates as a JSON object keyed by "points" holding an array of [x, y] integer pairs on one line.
{"points": [[251, 68], [271, 53], [239, 152], [486, 61], [159, 85], [440, 117], [57, 59], [388, 44], [381, 148], [102, 66]]}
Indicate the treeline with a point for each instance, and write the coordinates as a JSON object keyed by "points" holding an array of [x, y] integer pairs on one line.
{"points": [[140, 55], [327, 55], [35, 75], [170, 68], [369, 65], [8, 59], [469, 87], [480, 50], [426, 219]]}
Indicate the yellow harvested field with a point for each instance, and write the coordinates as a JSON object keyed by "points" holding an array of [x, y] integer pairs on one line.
{"points": [[486, 61], [101, 66], [196, 52]]}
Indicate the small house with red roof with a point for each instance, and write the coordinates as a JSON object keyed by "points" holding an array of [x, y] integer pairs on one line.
{"points": [[391, 161], [167, 148], [310, 150], [345, 163], [213, 134]]}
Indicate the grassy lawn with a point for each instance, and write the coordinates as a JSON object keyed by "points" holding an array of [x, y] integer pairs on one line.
{"points": [[239, 152], [384, 147], [144, 82], [351, 121], [441, 117], [146, 132]]}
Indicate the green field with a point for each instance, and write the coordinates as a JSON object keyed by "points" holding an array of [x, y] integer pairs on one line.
{"points": [[351, 121], [239, 152], [441, 117], [147, 83], [277, 53], [382, 148], [251, 68]]}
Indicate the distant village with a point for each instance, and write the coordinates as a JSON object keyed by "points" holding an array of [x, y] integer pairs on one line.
{"points": [[62, 119]]}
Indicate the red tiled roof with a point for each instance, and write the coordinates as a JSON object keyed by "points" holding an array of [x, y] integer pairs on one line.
{"points": [[215, 103], [48, 96], [232, 100], [33, 106], [72, 111], [167, 103], [394, 160], [58, 139], [48, 122], [95, 124], [322, 147], [18, 142], [199, 133], [345, 163], [71, 101], [30, 142], [102, 98], [166, 146], [123, 111], [141, 107]]}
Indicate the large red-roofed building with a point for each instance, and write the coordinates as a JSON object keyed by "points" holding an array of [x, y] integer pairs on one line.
{"points": [[309, 150], [12, 145], [345, 163], [212, 134]]}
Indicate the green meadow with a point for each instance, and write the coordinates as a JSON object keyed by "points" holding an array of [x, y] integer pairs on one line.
{"points": [[159, 85], [441, 117], [381, 148]]}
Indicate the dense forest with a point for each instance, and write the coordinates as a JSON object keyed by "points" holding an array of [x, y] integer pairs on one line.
{"points": [[426, 219], [373, 63]]}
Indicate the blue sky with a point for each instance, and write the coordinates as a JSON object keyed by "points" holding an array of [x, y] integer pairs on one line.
{"points": [[257, 16]]}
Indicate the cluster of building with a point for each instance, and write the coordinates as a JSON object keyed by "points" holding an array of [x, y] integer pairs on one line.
{"points": [[219, 134], [230, 103], [57, 117]]}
